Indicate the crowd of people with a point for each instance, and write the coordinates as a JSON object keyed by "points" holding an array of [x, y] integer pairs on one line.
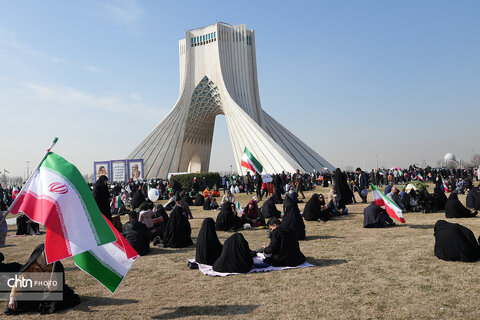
{"points": [[151, 224]]}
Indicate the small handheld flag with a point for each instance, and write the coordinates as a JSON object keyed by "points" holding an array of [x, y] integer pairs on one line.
{"points": [[445, 186]]}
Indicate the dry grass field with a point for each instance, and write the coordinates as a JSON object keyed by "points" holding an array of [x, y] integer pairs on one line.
{"points": [[360, 274]]}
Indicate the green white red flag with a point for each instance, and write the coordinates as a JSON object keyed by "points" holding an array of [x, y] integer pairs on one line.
{"points": [[419, 177], [249, 162], [57, 196], [393, 210], [116, 202], [445, 186], [110, 263]]}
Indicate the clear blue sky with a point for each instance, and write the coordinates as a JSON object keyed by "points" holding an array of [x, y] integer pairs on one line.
{"points": [[356, 80]]}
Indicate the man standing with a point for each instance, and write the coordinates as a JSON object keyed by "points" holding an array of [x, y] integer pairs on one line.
{"points": [[299, 183], [258, 182], [362, 184], [247, 180]]}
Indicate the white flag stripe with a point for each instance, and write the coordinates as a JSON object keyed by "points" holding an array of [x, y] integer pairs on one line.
{"points": [[78, 227]]}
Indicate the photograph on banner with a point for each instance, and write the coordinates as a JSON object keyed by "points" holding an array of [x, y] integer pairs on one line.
{"points": [[119, 170], [101, 168], [135, 169], [266, 178]]}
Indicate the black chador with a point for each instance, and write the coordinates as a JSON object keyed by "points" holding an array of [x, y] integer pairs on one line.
{"points": [[236, 256], [178, 230], [454, 242], [209, 247]]}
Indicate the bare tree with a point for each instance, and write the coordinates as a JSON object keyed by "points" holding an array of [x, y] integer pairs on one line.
{"points": [[475, 161], [4, 180]]}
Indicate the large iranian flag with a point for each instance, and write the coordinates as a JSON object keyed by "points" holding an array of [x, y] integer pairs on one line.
{"points": [[249, 162], [393, 210], [57, 196], [109, 263]]}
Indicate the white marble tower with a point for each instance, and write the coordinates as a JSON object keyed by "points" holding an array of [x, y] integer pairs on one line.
{"points": [[218, 75]]}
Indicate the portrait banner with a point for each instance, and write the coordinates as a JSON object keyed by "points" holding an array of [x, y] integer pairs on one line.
{"points": [[101, 168], [135, 169]]}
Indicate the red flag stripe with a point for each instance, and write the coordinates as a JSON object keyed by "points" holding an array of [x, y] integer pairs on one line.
{"points": [[46, 211]]}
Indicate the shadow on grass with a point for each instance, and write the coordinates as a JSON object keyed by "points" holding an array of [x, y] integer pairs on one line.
{"points": [[88, 301], [322, 237], [162, 250], [325, 262], [220, 310], [422, 226]]}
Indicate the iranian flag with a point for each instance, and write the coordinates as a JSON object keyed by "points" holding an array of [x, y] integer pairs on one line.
{"points": [[110, 263], [239, 208], [249, 162], [57, 196], [393, 210], [419, 177], [116, 202], [445, 186]]}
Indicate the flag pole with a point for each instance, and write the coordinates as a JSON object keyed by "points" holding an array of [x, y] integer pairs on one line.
{"points": [[54, 142]]}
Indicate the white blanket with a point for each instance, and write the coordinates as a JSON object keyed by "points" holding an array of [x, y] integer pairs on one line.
{"points": [[208, 270]]}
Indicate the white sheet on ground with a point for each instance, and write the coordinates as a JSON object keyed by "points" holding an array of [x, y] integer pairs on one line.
{"points": [[208, 270]]}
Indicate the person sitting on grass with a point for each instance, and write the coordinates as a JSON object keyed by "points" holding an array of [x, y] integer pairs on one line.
{"points": [[284, 250], [315, 208], [178, 230], [214, 204], [228, 197], [473, 198], [454, 242], [335, 207], [236, 256], [206, 204], [394, 196], [251, 214], [376, 217], [269, 210], [185, 207], [37, 263], [136, 234], [455, 209], [209, 247], [227, 218]]}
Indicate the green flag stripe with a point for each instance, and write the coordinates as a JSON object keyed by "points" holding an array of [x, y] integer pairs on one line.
{"points": [[254, 161], [102, 232], [93, 266]]}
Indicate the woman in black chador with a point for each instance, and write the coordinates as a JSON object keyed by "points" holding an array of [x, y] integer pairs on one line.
{"points": [[343, 191], [209, 247], [236, 256], [439, 197], [455, 209], [178, 230], [269, 210], [102, 196], [315, 209], [37, 263], [292, 217], [454, 242], [227, 220]]}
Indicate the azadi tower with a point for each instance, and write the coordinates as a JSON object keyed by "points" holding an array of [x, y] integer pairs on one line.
{"points": [[218, 75]]}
